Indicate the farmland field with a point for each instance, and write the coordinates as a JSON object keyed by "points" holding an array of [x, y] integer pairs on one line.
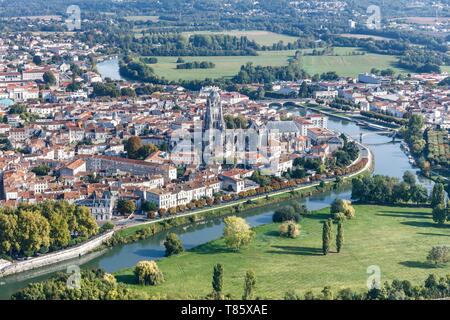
{"points": [[438, 150], [349, 65], [395, 239]]}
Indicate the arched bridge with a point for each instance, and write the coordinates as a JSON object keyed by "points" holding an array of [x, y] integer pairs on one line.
{"points": [[390, 133], [280, 103]]}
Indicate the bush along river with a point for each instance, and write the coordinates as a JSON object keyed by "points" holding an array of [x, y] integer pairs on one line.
{"points": [[389, 160]]}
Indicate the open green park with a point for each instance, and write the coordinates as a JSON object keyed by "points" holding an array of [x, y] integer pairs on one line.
{"points": [[343, 63], [225, 66], [397, 239]]}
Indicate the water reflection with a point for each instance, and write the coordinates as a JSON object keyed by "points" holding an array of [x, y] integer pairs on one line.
{"points": [[109, 69]]}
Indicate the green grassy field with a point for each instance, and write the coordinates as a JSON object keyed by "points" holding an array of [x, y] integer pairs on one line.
{"points": [[228, 66], [393, 238], [348, 65], [263, 38]]}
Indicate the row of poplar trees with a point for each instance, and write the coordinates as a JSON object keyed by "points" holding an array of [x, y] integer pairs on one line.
{"points": [[327, 236]]}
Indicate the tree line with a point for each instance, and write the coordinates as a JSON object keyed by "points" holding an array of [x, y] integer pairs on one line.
{"points": [[30, 229], [196, 65], [389, 190]]}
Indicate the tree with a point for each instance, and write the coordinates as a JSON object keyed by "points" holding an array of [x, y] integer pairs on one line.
{"points": [[303, 92], [146, 150], [49, 78], [59, 231], [342, 158], [33, 232], [237, 232], [96, 285], [289, 229], [300, 208], [401, 192], [440, 214], [217, 282], [85, 225], [128, 92], [173, 244], [340, 236], [9, 234], [148, 206], [326, 236], [327, 293], [37, 60], [344, 206], [414, 134], [148, 273], [105, 90], [419, 194], [438, 255], [438, 195], [126, 206], [48, 225], [107, 227], [286, 213], [409, 178], [41, 170], [132, 147], [17, 109], [249, 285]]}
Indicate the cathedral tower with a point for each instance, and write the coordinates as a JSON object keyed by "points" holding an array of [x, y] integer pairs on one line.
{"points": [[213, 130]]}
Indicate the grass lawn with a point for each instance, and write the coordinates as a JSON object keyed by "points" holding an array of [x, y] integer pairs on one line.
{"points": [[263, 38], [393, 238]]}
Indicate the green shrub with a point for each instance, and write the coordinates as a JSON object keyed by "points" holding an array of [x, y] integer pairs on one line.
{"points": [[286, 213]]}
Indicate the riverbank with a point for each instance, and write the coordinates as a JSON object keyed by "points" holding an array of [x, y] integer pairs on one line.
{"points": [[395, 239], [247, 203], [9, 268]]}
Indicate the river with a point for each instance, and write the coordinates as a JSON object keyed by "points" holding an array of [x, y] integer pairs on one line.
{"points": [[389, 160], [109, 69]]}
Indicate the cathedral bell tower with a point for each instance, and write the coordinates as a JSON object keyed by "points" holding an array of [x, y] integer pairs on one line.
{"points": [[213, 130]]}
